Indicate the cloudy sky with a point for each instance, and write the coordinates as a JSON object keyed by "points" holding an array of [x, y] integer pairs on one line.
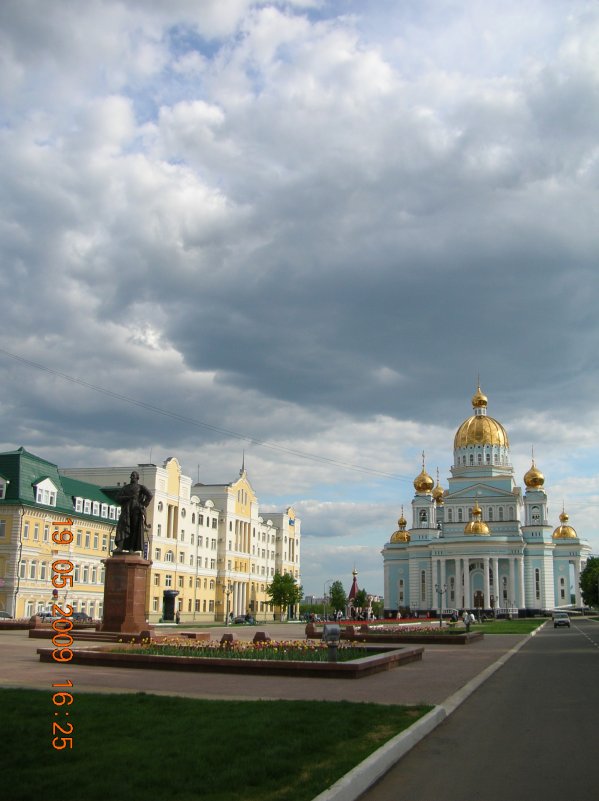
{"points": [[302, 229]]}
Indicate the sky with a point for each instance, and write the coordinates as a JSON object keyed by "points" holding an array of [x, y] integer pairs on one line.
{"points": [[300, 231]]}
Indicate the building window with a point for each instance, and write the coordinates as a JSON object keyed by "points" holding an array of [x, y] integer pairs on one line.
{"points": [[490, 513], [168, 580], [159, 530], [78, 538], [214, 522], [156, 580], [471, 458], [36, 532], [181, 580], [450, 515], [104, 541], [181, 557], [95, 542], [535, 514], [460, 516], [169, 556], [79, 505], [87, 539], [501, 512], [157, 554], [537, 583], [26, 531], [423, 585], [480, 458], [104, 510], [33, 569], [22, 569]]}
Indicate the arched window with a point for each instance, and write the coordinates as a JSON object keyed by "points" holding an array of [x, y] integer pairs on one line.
{"points": [[471, 458], [169, 556], [450, 515], [535, 514], [501, 512], [480, 457], [460, 516], [158, 554], [490, 513], [423, 518]]}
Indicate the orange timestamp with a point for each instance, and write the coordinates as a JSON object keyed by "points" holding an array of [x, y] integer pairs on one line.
{"points": [[62, 640]]}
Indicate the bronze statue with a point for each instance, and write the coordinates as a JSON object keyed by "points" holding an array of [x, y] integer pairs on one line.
{"points": [[131, 528]]}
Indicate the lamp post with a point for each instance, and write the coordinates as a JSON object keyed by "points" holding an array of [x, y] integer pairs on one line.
{"points": [[228, 593], [440, 590], [329, 582]]}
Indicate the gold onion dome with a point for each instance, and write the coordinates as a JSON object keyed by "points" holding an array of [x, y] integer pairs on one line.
{"points": [[477, 525], [423, 483], [438, 492], [564, 532], [480, 429], [533, 478], [401, 535]]}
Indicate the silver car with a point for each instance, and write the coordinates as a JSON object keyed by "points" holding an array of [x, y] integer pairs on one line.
{"points": [[561, 619]]}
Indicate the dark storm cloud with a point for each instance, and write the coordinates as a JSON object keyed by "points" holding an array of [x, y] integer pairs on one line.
{"points": [[297, 224]]}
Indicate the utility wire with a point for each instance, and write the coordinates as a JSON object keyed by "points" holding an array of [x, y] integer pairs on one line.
{"points": [[200, 424]]}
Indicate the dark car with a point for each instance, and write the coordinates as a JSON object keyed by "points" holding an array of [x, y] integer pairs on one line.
{"points": [[247, 619], [81, 617]]}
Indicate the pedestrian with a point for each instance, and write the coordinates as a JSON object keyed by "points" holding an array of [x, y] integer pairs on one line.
{"points": [[466, 619], [177, 618]]}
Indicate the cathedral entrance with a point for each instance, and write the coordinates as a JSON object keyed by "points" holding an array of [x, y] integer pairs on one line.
{"points": [[479, 600]]}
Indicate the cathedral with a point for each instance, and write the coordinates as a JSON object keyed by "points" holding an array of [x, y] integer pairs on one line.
{"points": [[482, 543]]}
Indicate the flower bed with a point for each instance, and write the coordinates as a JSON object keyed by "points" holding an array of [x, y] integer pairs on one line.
{"points": [[272, 660], [415, 633], [285, 650]]}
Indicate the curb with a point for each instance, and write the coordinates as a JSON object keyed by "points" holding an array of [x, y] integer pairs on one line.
{"points": [[351, 786]]}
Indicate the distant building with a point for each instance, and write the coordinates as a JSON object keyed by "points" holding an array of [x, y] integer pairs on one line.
{"points": [[34, 497], [210, 548], [482, 543]]}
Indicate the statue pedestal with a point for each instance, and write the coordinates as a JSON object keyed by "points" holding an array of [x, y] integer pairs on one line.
{"points": [[125, 588]]}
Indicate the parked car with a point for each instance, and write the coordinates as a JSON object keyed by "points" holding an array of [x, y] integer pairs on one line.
{"points": [[561, 619], [46, 617], [5, 616], [81, 617]]}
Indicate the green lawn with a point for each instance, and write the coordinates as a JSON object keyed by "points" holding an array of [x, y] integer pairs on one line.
{"points": [[524, 626], [157, 748]]}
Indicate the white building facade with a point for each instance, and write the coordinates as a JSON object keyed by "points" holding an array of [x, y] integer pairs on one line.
{"points": [[482, 543]]}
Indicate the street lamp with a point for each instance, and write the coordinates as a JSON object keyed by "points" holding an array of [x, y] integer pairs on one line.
{"points": [[329, 582], [440, 590], [228, 593]]}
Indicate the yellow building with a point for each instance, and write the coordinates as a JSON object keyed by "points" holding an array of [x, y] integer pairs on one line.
{"points": [[212, 553], [34, 498]]}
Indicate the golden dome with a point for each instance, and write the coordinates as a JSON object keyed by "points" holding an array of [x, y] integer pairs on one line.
{"points": [[479, 399], [477, 526], [401, 535], [533, 478], [423, 483], [480, 429], [438, 492], [564, 532]]}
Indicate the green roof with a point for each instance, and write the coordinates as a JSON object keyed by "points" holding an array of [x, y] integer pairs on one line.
{"points": [[23, 470]]}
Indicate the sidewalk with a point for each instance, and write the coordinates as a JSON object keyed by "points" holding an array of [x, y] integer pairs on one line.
{"points": [[442, 672]]}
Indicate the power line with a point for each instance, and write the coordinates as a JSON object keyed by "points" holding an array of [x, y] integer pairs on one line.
{"points": [[201, 424]]}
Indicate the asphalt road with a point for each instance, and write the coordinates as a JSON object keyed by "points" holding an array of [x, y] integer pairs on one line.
{"points": [[530, 733]]}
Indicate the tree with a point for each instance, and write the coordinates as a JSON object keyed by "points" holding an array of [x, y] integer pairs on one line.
{"points": [[283, 591], [589, 582], [338, 596], [361, 599]]}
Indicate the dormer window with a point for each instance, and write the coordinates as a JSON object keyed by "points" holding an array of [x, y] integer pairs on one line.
{"points": [[45, 492], [96, 508], [87, 507], [79, 505]]}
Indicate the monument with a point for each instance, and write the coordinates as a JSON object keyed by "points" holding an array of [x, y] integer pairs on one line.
{"points": [[126, 577]]}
